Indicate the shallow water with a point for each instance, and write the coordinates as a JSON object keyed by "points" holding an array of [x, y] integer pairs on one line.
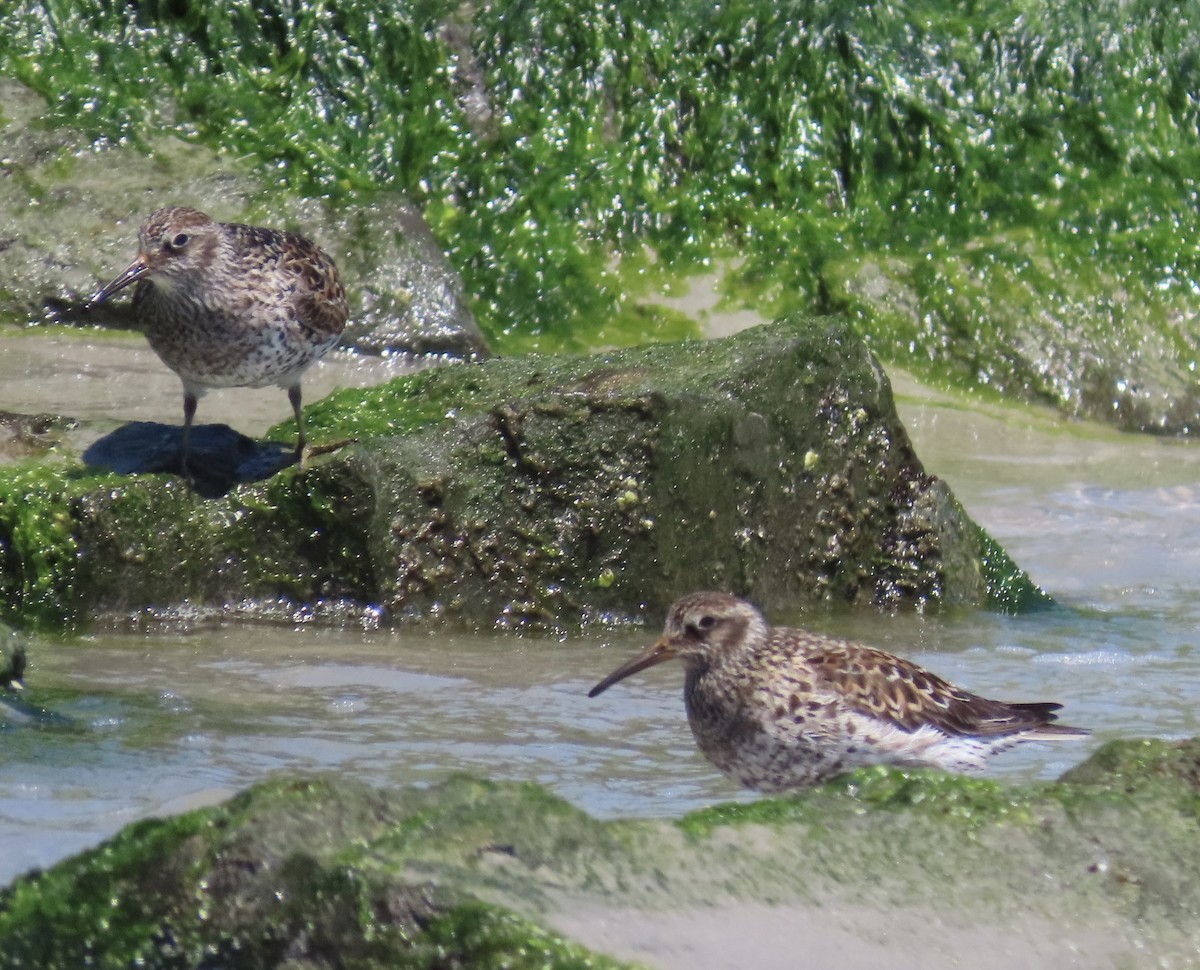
{"points": [[108, 380], [148, 724]]}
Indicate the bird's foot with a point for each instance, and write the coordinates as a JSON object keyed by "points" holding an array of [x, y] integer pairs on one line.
{"points": [[185, 471], [185, 468]]}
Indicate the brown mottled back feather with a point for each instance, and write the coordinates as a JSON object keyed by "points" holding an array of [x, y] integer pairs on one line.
{"points": [[319, 298], [890, 687]]}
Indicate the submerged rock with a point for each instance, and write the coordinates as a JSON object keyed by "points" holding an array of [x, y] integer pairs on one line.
{"points": [[22, 435], [554, 490], [328, 872]]}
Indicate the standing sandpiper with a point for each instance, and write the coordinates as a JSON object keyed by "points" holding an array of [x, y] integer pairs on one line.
{"points": [[226, 305], [776, 708]]}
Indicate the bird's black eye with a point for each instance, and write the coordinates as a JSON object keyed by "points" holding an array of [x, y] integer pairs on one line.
{"points": [[706, 622], [180, 240]]}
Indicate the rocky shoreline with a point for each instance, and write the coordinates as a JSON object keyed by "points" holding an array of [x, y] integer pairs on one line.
{"points": [[310, 872]]}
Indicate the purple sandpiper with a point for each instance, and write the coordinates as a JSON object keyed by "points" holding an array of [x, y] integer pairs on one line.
{"points": [[777, 708], [227, 305]]}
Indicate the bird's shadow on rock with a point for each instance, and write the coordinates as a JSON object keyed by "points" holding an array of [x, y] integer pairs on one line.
{"points": [[219, 458]]}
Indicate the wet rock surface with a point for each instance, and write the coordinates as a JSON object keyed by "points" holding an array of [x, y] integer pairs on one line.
{"points": [[546, 490], [23, 435], [325, 872], [1000, 315]]}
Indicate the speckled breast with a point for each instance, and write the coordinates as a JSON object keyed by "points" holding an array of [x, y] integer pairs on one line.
{"points": [[247, 346]]}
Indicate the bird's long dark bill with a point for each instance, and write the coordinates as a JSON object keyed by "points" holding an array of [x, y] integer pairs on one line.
{"points": [[133, 272], [656, 653]]}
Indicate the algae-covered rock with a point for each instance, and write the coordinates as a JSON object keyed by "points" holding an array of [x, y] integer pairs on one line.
{"points": [[1006, 315], [323, 873], [22, 435], [1122, 766], [547, 489], [1001, 195], [265, 881]]}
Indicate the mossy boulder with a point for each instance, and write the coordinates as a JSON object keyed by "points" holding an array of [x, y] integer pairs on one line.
{"points": [[1004, 314], [265, 881], [549, 489], [326, 872]]}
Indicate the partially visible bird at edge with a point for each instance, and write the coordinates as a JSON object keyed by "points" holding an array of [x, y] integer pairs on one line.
{"points": [[12, 669], [775, 708], [229, 305]]}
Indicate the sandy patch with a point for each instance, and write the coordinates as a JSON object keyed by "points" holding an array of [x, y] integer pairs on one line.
{"points": [[764, 937]]}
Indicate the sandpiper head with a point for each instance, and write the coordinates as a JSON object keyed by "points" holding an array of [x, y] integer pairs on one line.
{"points": [[173, 243], [700, 628]]}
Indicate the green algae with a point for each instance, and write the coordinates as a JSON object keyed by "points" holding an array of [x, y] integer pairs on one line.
{"points": [[446, 827], [1010, 590], [124, 912], [333, 873], [1016, 167], [39, 548], [70, 539], [493, 939], [270, 877], [1009, 317], [1150, 760], [972, 803], [542, 490]]}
